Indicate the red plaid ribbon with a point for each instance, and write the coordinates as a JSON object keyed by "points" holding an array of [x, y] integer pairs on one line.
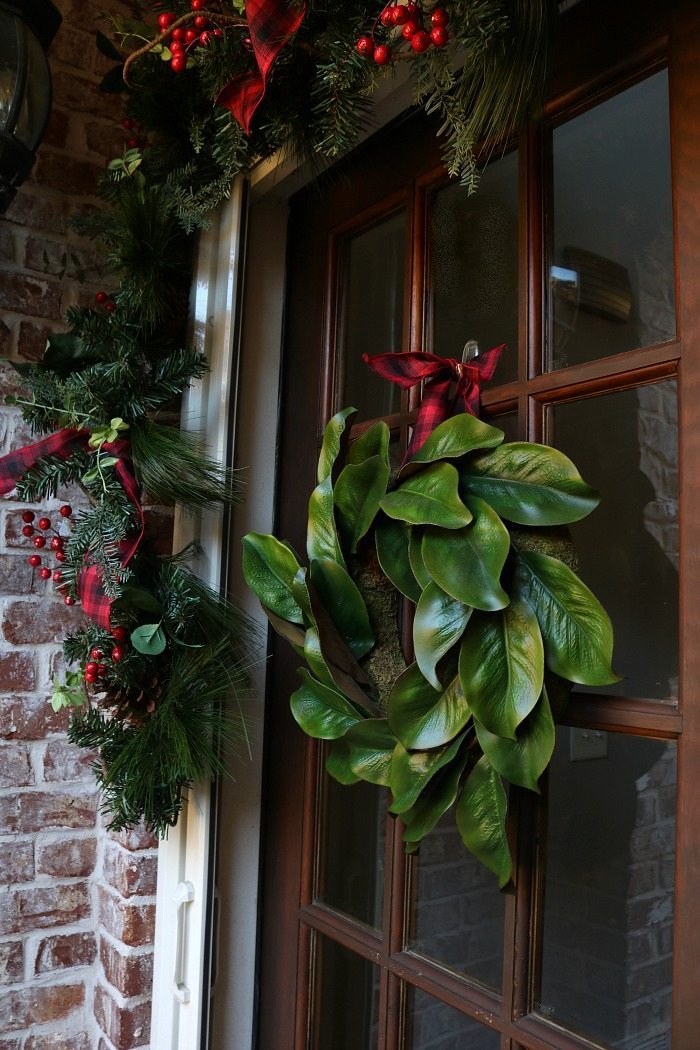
{"points": [[271, 24], [438, 373]]}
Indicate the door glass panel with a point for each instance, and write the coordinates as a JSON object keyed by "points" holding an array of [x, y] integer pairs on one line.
{"points": [[371, 313], [507, 422], [608, 898], [352, 850], [433, 1026], [346, 1010], [626, 445], [458, 910], [611, 263], [474, 266]]}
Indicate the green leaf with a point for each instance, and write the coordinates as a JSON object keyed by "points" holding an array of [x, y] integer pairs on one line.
{"points": [[357, 492], [330, 448], [438, 625], [467, 563], [113, 80], [577, 633], [371, 744], [322, 713], [314, 658], [522, 761], [481, 817], [291, 632], [501, 667], [269, 568], [530, 484], [338, 762], [66, 352], [106, 47], [391, 540], [322, 534], [137, 598], [429, 498], [344, 604], [434, 801], [373, 442], [455, 437], [423, 717], [411, 771], [415, 557], [148, 639]]}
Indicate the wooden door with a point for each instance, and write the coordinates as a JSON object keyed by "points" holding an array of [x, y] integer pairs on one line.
{"points": [[582, 251]]}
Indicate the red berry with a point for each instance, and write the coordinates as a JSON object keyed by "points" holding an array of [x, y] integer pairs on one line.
{"points": [[57, 576], [39, 542], [205, 38], [365, 45], [218, 32], [101, 669], [117, 653], [382, 55], [387, 16], [132, 143], [56, 543], [91, 667], [439, 36], [90, 678], [110, 306], [127, 124], [177, 48], [69, 600], [413, 12], [45, 573], [409, 30], [65, 511], [28, 516], [60, 556], [200, 22], [95, 654], [101, 297], [27, 530], [119, 634], [44, 523], [166, 20], [178, 35], [420, 41], [178, 63], [398, 15], [439, 17], [34, 560], [198, 5]]}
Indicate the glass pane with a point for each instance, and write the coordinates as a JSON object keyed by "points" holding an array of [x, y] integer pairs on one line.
{"points": [[626, 445], [474, 266], [458, 911], [371, 313], [507, 422], [346, 1010], [352, 850], [611, 266], [433, 1026], [608, 902]]}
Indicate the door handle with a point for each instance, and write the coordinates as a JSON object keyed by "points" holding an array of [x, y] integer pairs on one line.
{"points": [[184, 894]]}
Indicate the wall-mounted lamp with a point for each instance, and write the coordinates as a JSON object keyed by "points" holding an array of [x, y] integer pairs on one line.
{"points": [[27, 27]]}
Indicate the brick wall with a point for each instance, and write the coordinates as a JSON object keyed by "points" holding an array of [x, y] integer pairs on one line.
{"points": [[76, 904]]}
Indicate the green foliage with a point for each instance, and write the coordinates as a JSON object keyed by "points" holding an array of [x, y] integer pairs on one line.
{"points": [[172, 466]]}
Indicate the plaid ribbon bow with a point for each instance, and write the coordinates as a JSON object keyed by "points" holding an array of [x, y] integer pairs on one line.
{"points": [[439, 373], [271, 24], [63, 443]]}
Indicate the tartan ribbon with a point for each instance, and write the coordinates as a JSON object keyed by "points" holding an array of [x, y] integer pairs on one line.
{"points": [[271, 25], [63, 443], [438, 373]]}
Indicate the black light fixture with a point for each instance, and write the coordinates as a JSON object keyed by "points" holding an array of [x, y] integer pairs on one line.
{"points": [[27, 27]]}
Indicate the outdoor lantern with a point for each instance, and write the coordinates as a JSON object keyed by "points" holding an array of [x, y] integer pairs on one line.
{"points": [[27, 27]]}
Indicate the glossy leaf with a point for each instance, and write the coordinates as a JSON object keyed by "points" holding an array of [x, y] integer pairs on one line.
{"points": [[332, 440], [429, 498], [412, 771], [391, 540], [322, 533], [415, 558], [373, 442], [455, 437], [501, 667], [269, 568], [481, 815], [344, 603], [529, 484], [338, 762], [320, 711], [423, 717], [433, 803], [371, 745], [467, 563], [314, 658], [291, 632], [577, 633], [522, 761], [438, 624], [357, 492]]}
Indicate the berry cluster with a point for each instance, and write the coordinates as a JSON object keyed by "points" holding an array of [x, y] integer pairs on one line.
{"points": [[182, 39], [105, 300], [132, 128], [54, 543], [413, 27], [95, 668]]}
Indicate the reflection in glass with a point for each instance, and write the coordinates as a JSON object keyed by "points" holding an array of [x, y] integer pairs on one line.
{"points": [[433, 1026], [505, 421], [458, 910], [371, 313], [626, 445], [352, 850], [608, 898], [474, 266], [347, 999], [611, 265]]}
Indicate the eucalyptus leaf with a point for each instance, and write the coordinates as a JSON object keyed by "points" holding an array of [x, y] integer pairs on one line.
{"points": [[344, 603], [322, 713], [522, 761], [481, 816], [412, 771], [322, 533], [373, 442], [269, 568], [332, 440], [422, 717], [371, 744], [429, 498], [149, 639], [357, 492], [415, 558], [338, 762], [438, 624], [455, 437], [391, 540], [434, 802]]}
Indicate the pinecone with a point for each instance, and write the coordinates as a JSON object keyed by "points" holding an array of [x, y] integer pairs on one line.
{"points": [[133, 703]]}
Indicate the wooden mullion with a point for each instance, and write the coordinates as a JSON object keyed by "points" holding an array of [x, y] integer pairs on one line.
{"points": [[618, 714], [448, 987], [341, 928]]}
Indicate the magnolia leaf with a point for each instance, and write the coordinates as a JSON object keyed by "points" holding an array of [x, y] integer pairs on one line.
{"points": [[291, 632], [415, 558], [314, 658], [577, 633], [371, 744], [344, 603], [481, 817], [434, 802], [429, 498], [322, 534], [529, 484], [269, 568], [357, 492], [148, 639], [330, 449], [322, 713], [437, 625], [411, 771], [522, 761], [423, 717], [391, 540], [373, 442], [455, 437], [338, 762], [467, 563], [501, 667]]}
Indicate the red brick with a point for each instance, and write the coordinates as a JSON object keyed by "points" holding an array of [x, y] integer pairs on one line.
{"points": [[13, 1044], [15, 770], [32, 337], [65, 761], [39, 907], [131, 874], [136, 838], [55, 257], [17, 863], [66, 858], [39, 810], [105, 139], [77, 1041], [40, 211], [27, 624], [83, 96], [7, 246], [17, 672], [65, 950], [131, 923], [73, 47], [11, 962], [10, 380], [17, 576], [58, 128], [30, 718], [124, 1026], [29, 295], [29, 1006], [63, 173], [132, 975]]}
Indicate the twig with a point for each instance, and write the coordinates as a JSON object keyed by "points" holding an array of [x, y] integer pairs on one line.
{"points": [[231, 20]]}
